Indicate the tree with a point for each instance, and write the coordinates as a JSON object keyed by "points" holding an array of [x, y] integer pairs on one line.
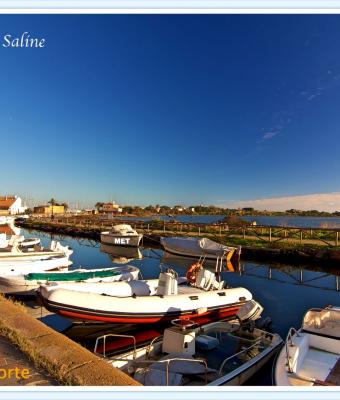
{"points": [[99, 205], [53, 203]]}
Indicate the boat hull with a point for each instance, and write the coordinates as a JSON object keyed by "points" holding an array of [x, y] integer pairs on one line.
{"points": [[144, 309]]}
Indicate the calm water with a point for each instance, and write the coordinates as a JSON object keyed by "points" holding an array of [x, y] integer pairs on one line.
{"points": [[302, 222], [283, 297]]}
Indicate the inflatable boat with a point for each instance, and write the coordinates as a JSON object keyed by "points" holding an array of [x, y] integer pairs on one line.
{"points": [[146, 301]]}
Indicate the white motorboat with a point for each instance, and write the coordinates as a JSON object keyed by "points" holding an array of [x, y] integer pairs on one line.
{"points": [[199, 248], [27, 283], [311, 355], [121, 235], [14, 253], [215, 354], [147, 301], [17, 240], [58, 262]]}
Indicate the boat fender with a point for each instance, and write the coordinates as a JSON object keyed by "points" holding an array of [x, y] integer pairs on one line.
{"points": [[191, 274]]}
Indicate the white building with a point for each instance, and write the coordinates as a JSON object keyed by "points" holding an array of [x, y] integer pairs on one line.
{"points": [[11, 205]]}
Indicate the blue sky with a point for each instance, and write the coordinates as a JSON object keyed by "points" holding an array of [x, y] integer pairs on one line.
{"points": [[171, 109]]}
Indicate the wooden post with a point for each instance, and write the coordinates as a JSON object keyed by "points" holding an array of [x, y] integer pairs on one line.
{"points": [[270, 273], [301, 236], [301, 275], [337, 239], [164, 227], [244, 233], [199, 231], [270, 233], [337, 282], [220, 230], [148, 227]]}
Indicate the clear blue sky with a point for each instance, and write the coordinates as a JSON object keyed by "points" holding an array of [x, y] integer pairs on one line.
{"points": [[171, 108]]}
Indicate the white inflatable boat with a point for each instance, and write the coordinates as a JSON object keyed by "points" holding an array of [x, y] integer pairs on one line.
{"points": [[146, 301]]}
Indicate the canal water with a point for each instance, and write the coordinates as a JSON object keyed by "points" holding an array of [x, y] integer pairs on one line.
{"points": [[286, 292]]}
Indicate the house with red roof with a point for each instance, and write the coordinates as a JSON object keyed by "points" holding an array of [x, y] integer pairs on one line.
{"points": [[11, 205]]}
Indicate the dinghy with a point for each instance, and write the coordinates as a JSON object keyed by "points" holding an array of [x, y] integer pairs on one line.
{"points": [[26, 284], [15, 254], [311, 355], [199, 248], [121, 235], [146, 301], [215, 354], [27, 266]]}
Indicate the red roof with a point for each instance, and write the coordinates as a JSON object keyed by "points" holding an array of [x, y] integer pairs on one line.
{"points": [[6, 202]]}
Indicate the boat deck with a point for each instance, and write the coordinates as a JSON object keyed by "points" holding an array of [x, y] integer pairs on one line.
{"points": [[333, 377]]}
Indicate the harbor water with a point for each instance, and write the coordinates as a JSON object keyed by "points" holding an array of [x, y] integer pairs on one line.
{"points": [[286, 292]]}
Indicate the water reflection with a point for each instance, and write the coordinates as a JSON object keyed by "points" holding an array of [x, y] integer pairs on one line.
{"points": [[121, 255]]}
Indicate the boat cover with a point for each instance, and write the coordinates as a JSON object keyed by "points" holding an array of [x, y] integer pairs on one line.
{"points": [[70, 276], [195, 246]]}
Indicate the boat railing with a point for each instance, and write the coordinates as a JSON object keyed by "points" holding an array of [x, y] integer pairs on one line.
{"points": [[114, 335], [149, 348], [237, 354], [289, 342], [169, 361]]}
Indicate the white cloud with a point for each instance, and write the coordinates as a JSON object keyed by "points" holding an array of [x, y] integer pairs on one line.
{"points": [[269, 135], [320, 201]]}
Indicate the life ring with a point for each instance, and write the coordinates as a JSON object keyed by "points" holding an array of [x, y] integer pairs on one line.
{"points": [[192, 271]]}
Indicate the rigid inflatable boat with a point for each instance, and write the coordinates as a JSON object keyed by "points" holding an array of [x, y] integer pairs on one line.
{"points": [[146, 301]]}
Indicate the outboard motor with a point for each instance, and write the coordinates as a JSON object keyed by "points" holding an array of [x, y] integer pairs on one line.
{"points": [[250, 311]]}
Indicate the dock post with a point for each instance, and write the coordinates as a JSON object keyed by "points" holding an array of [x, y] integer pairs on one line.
{"points": [[164, 227], [244, 233], [220, 231], [337, 282], [337, 239], [301, 236], [199, 231], [270, 233], [301, 275]]}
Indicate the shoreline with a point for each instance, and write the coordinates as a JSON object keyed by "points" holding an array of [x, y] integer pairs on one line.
{"points": [[293, 253]]}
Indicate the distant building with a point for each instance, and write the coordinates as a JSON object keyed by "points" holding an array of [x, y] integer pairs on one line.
{"points": [[48, 209], [110, 207], [179, 208], [11, 205], [192, 209]]}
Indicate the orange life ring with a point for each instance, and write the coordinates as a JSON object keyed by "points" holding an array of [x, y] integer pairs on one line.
{"points": [[192, 271]]}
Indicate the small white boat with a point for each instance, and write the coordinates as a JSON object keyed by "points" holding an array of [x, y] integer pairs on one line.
{"points": [[29, 242], [311, 355], [14, 253], [146, 301], [121, 235], [27, 266], [27, 283], [215, 354], [199, 248]]}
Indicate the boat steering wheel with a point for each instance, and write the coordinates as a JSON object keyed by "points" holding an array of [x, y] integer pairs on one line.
{"points": [[183, 323]]}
